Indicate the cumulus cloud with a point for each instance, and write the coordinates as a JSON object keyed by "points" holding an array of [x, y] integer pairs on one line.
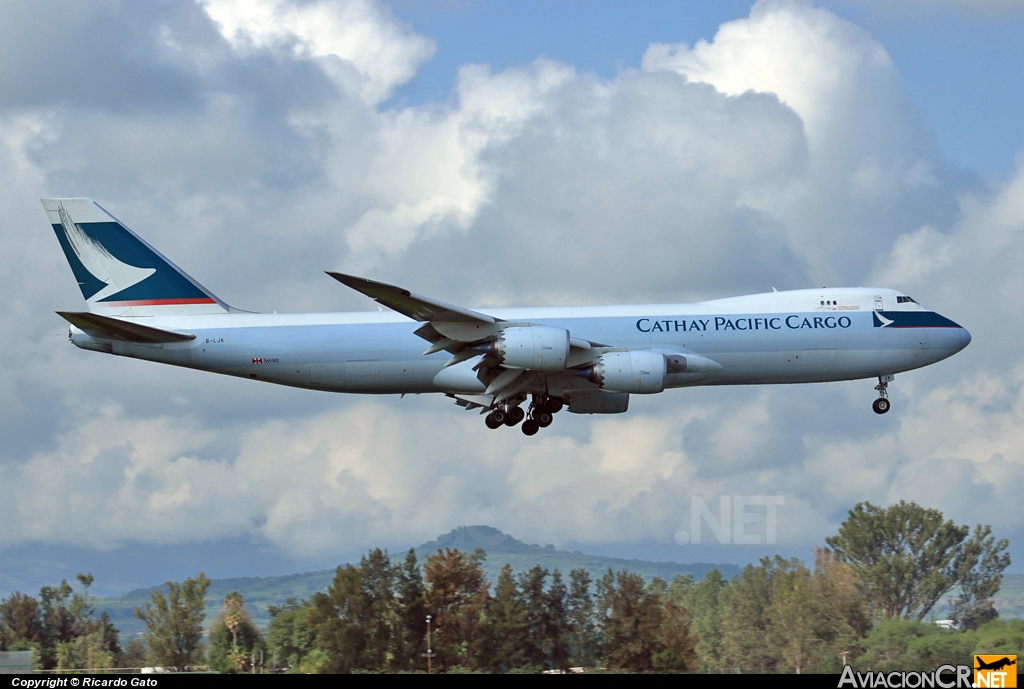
{"points": [[252, 143], [361, 34], [871, 170]]}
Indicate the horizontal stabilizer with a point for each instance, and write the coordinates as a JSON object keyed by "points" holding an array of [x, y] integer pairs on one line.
{"points": [[107, 327]]}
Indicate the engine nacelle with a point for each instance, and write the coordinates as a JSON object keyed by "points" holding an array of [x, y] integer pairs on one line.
{"points": [[535, 347], [640, 371]]}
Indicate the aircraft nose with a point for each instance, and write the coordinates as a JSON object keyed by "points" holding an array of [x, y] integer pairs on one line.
{"points": [[965, 338]]}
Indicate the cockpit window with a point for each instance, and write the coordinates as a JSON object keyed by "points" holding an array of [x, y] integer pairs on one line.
{"points": [[905, 300]]}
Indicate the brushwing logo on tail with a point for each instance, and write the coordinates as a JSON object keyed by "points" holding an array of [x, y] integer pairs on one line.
{"points": [[104, 267]]}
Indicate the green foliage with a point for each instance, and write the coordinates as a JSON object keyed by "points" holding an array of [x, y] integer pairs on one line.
{"points": [[679, 645], [979, 576], [290, 636], [234, 639], [135, 654], [340, 619], [85, 652], [457, 593], [506, 625], [1000, 637], [776, 615], [905, 558], [411, 616], [582, 629], [745, 605], [20, 620], [59, 628], [894, 644], [629, 620], [174, 622], [707, 619]]}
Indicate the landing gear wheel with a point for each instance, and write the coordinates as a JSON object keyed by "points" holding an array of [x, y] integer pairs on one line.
{"points": [[530, 427], [881, 405], [496, 419], [554, 404], [515, 415], [543, 418]]}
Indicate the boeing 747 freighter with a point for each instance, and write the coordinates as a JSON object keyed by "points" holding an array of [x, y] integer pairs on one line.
{"points": [[517, 365]]}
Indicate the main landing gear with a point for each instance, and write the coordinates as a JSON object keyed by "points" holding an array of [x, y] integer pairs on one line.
{"points": [[541, 413], [881, 405]]}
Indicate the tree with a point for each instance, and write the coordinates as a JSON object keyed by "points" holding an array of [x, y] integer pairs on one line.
{"points": [[340, 618], [905, 557], [457, 592], [979, 576], [377, 581], [792, 616], [707, 619], [535, 614], [629, 618], [234, 638], [174, 622], [506, 625], [678, 645], [135, 654], [583, 638], [411, 615], [557, 630], [744, 607], [20, 618], [290, 635]]}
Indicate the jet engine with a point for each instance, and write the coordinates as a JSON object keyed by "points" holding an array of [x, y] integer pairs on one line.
{"points": [[641, 372], [535, 347]]}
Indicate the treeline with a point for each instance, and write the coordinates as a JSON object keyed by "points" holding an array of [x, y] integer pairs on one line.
{"points": [[62, 631], [866, 601], [373, 617]]}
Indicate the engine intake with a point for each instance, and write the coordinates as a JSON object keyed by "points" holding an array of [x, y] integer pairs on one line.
{"points": [[535, 347], [641, 372]]}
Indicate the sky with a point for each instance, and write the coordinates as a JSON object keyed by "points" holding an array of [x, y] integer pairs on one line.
{"points": [[495, 154]]}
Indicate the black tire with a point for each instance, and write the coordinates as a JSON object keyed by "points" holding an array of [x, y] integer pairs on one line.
{"points": [[543, 418], [881, 405], [530, 427], [515, 415], [498, 418], [554, 404], [493, 423]]}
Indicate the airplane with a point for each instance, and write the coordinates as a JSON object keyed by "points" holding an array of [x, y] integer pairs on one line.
{"points": [[587, 359], [995, 664]]}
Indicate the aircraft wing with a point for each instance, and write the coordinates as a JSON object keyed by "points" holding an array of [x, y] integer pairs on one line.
{"points": [[415, 306], [107, 327], [456, 330]]}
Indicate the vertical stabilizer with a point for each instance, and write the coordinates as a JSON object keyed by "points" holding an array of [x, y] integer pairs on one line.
{"points": [[119, 273]]}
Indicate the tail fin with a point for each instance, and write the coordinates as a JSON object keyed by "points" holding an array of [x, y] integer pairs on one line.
{"points": [[119, 273]]}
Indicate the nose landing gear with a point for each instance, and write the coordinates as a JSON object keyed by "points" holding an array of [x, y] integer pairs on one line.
{"points": [[881, 405]]}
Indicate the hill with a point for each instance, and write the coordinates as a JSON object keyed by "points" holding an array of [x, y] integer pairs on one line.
{"points": [[501, 549]]}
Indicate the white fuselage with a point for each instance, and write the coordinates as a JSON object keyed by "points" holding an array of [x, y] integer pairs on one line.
{"points": [[800, 336]]}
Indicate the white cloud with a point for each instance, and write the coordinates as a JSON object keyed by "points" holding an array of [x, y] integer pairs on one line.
{"points": [[870, 162], [361, 33]]}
